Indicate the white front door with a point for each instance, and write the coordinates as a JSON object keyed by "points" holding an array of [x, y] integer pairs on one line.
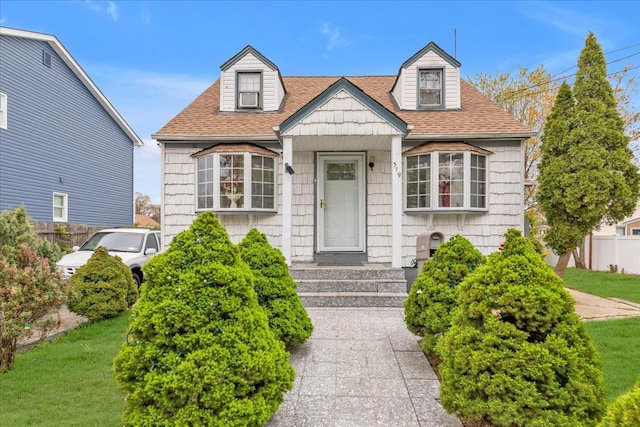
{"points": [[341, 202]]}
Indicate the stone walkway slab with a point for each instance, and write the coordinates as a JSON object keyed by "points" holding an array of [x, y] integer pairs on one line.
{"points": [[361, 367], [591, 307]]}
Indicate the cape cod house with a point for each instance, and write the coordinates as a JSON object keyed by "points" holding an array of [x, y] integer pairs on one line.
{"points": [[66, 154], [345, 169]]}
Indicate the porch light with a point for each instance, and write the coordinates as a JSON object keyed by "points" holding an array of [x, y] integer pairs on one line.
{"points": [[289, 169]]}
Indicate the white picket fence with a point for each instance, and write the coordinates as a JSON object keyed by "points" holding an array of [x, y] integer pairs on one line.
{"points": [[619, 252]]}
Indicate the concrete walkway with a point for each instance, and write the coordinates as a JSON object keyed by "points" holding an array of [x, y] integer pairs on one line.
{"points": [[361, 367], [591, 307]]}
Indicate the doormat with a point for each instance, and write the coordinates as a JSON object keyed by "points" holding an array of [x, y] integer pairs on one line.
{"points": [[340, 264]]}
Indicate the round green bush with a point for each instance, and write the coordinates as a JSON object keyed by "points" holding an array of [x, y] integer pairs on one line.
{"points": [[200, 350], [102, 288], [516, 353], [433, 295], [624, 411], [276, 289]]}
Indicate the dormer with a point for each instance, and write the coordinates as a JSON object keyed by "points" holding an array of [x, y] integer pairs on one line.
{"points": [[429, 80], [250, 82]]}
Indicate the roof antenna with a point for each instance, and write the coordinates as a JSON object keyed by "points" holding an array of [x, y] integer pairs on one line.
{"points": [[455, 43]]}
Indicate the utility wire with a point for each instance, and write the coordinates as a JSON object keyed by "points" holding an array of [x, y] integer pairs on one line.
{"points": [[560, 78], [555, 77]]}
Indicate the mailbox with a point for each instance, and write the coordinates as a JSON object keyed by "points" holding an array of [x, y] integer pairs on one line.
{"points": [[426, 245]]}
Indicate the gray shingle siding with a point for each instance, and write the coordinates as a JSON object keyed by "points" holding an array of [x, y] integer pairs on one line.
{"points": [[60, 139]]}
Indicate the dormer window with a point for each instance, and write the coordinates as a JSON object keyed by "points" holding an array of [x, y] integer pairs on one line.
{"points": [[430, 88], [249, 90]]}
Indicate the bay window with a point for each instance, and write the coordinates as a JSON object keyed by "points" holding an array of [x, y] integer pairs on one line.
{"points": [[446, 177], [229, 179]]}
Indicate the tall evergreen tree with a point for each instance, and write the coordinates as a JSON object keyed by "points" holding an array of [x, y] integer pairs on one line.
{"points": [[586, 173]]}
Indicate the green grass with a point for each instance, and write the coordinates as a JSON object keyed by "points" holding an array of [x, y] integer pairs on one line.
{"points": [[617, 341], [68, 382], [604, 284], [618, 344]]}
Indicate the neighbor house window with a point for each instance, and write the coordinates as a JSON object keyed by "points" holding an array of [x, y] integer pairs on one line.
{"points": [[249, 90], [429, 88], [3, 111], [446, 176], [230, 179], [60, 207], [635, 231]]}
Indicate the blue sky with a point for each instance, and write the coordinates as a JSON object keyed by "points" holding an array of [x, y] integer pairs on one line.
{"points": [[152, 58]]}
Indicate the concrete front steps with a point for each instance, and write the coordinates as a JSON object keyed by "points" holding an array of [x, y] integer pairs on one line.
{"points": [[368, 285]]}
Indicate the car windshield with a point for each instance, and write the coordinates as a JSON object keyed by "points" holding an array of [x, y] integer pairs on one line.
{"points": [[114, 242]]}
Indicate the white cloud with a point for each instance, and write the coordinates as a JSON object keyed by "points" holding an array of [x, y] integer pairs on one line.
{"points": [[334, 37], [147, 101], [111, 8], [145, 16]]}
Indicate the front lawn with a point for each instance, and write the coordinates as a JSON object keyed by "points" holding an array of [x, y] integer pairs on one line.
{"points": [[618, 344], [617, 341], [604, 284], [68, 382]]}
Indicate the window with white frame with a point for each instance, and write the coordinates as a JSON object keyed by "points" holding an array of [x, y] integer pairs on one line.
{"points": [[430, 88], [3, 111], [60, 207], [440, 179], [635, 231], [249, 90], [236, 180]]}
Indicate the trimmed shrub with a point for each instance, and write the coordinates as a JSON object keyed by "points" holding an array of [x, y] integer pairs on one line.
{"points": [[433, 295], [200, 350], [276, 289], [102, 288], [30, 287], [624, 411], [516, 353]]}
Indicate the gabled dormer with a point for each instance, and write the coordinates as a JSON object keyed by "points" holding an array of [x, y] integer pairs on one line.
{"points": [[250, 82], [429, 80]]}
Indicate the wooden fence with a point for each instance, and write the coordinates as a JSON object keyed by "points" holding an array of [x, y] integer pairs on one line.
{"points": [[67, 235]]}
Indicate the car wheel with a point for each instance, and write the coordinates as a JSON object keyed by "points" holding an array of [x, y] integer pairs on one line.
{"points": [[137, 279]]}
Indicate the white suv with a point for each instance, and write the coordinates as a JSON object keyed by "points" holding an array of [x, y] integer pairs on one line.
{"points": [[135, 246]]}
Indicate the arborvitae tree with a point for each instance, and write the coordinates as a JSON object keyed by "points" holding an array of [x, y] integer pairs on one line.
{"points": [[276, 289], [200, 350], [586, 175], [102, 288], [624, 411], [516, 353], [433, 295]]}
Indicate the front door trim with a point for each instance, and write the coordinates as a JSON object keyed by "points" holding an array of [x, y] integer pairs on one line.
{"points": [[321, 159]]}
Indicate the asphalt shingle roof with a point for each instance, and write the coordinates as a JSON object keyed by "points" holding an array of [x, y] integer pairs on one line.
{"points": [[478, 115]]}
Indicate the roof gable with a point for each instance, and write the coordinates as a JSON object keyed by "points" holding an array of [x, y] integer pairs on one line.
{"points": [[248, 49], [344, 84], [436, 49], [57, 46]]}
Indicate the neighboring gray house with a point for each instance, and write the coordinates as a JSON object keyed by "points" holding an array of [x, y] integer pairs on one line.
{"points": [[66, 154]]}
